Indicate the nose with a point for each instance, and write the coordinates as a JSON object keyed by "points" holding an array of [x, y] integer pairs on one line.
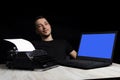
{"points": [[44, 27]]}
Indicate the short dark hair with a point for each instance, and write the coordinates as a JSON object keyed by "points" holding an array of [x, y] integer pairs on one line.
{"points": [[39, 17]]}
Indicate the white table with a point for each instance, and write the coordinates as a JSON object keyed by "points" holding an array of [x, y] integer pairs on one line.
{"points": [[60, 73]]}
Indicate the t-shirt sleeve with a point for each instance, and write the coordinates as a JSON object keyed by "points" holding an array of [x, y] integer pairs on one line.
{"points": [[69, 47]]}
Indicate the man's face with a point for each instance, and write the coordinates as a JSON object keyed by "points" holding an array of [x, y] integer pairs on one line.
{"points": [[43, 27]]}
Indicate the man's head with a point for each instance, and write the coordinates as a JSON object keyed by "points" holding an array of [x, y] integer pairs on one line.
{"points": [[42, 26]]}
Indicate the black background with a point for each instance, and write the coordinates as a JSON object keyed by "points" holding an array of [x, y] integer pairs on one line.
{"points": [[67, 23]]}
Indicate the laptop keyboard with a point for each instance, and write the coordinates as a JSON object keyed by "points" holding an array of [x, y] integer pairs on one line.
{"points": [[88, 62], [85, 64]]}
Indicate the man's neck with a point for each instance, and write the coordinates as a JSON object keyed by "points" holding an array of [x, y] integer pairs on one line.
{"points": [[49, 38]]}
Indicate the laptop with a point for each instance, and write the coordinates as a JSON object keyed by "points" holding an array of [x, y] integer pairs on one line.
{"points": [[95, 50]]}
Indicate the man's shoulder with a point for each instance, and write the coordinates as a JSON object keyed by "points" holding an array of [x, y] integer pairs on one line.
{"points": [[35, 42]]}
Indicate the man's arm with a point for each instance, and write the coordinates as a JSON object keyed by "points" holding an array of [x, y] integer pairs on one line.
{"points": [[73, 53]]}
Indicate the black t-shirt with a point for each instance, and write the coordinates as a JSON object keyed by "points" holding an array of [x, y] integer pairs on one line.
{"points": [[58, 49]]}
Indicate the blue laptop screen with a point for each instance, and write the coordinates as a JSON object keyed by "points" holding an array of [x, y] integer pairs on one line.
{"points": [[96, 45]]}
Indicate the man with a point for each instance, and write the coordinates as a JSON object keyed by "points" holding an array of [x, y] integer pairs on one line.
{"points": [[59, 49]]}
